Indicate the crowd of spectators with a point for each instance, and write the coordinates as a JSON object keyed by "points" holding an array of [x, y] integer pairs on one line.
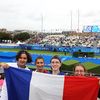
{"points": [[67, 40], [62, 40]]}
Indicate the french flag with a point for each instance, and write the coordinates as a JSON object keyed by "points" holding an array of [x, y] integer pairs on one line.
{"points": [[27, 85]]}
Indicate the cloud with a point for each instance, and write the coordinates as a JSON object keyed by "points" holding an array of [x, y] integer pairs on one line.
{"points": [[27, 14]]}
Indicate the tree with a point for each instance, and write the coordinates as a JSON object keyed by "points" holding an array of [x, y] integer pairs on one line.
{"points": [[21, 36], [5, 36]]}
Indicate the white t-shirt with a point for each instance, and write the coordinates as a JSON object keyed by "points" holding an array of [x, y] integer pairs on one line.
{"points": [[4, 95]]}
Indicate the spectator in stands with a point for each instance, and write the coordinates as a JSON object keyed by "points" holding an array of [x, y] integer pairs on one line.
{"points": [[79, 70], [56, 66], [39, 62]]}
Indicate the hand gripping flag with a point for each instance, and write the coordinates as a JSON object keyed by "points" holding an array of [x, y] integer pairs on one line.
{"points": [[27, 85]]}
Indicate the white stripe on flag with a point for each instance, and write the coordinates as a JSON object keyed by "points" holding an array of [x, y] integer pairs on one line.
{"points": [[46, 87]]}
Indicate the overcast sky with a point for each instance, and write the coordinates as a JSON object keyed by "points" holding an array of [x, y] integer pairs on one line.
{"points": [[49, 14]]}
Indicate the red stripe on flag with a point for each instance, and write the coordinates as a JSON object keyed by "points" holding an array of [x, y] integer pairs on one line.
{"points": [[80, 88]]}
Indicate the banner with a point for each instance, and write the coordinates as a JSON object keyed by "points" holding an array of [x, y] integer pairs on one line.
{"points": [[27, 85]]}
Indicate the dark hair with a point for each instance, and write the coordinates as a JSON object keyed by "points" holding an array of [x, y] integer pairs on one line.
{"points": [[81, 66], [39, 57], [55, 57], [29, 58]]}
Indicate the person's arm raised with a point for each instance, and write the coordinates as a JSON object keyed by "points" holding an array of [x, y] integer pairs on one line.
{"points": [[4, 65]]}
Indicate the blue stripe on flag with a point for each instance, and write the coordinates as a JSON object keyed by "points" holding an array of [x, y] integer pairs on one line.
{"points": [[20, 90]]}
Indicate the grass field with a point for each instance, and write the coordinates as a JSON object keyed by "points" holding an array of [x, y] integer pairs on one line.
{"points": [[69, 64], [42, 52], [36, 51]]}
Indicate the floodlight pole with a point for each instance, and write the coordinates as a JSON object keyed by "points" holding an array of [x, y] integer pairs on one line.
{"points": [[78, 19]]}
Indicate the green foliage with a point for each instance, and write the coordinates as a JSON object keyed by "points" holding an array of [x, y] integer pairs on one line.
{"points": [[21, 36], [5, 36]]}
